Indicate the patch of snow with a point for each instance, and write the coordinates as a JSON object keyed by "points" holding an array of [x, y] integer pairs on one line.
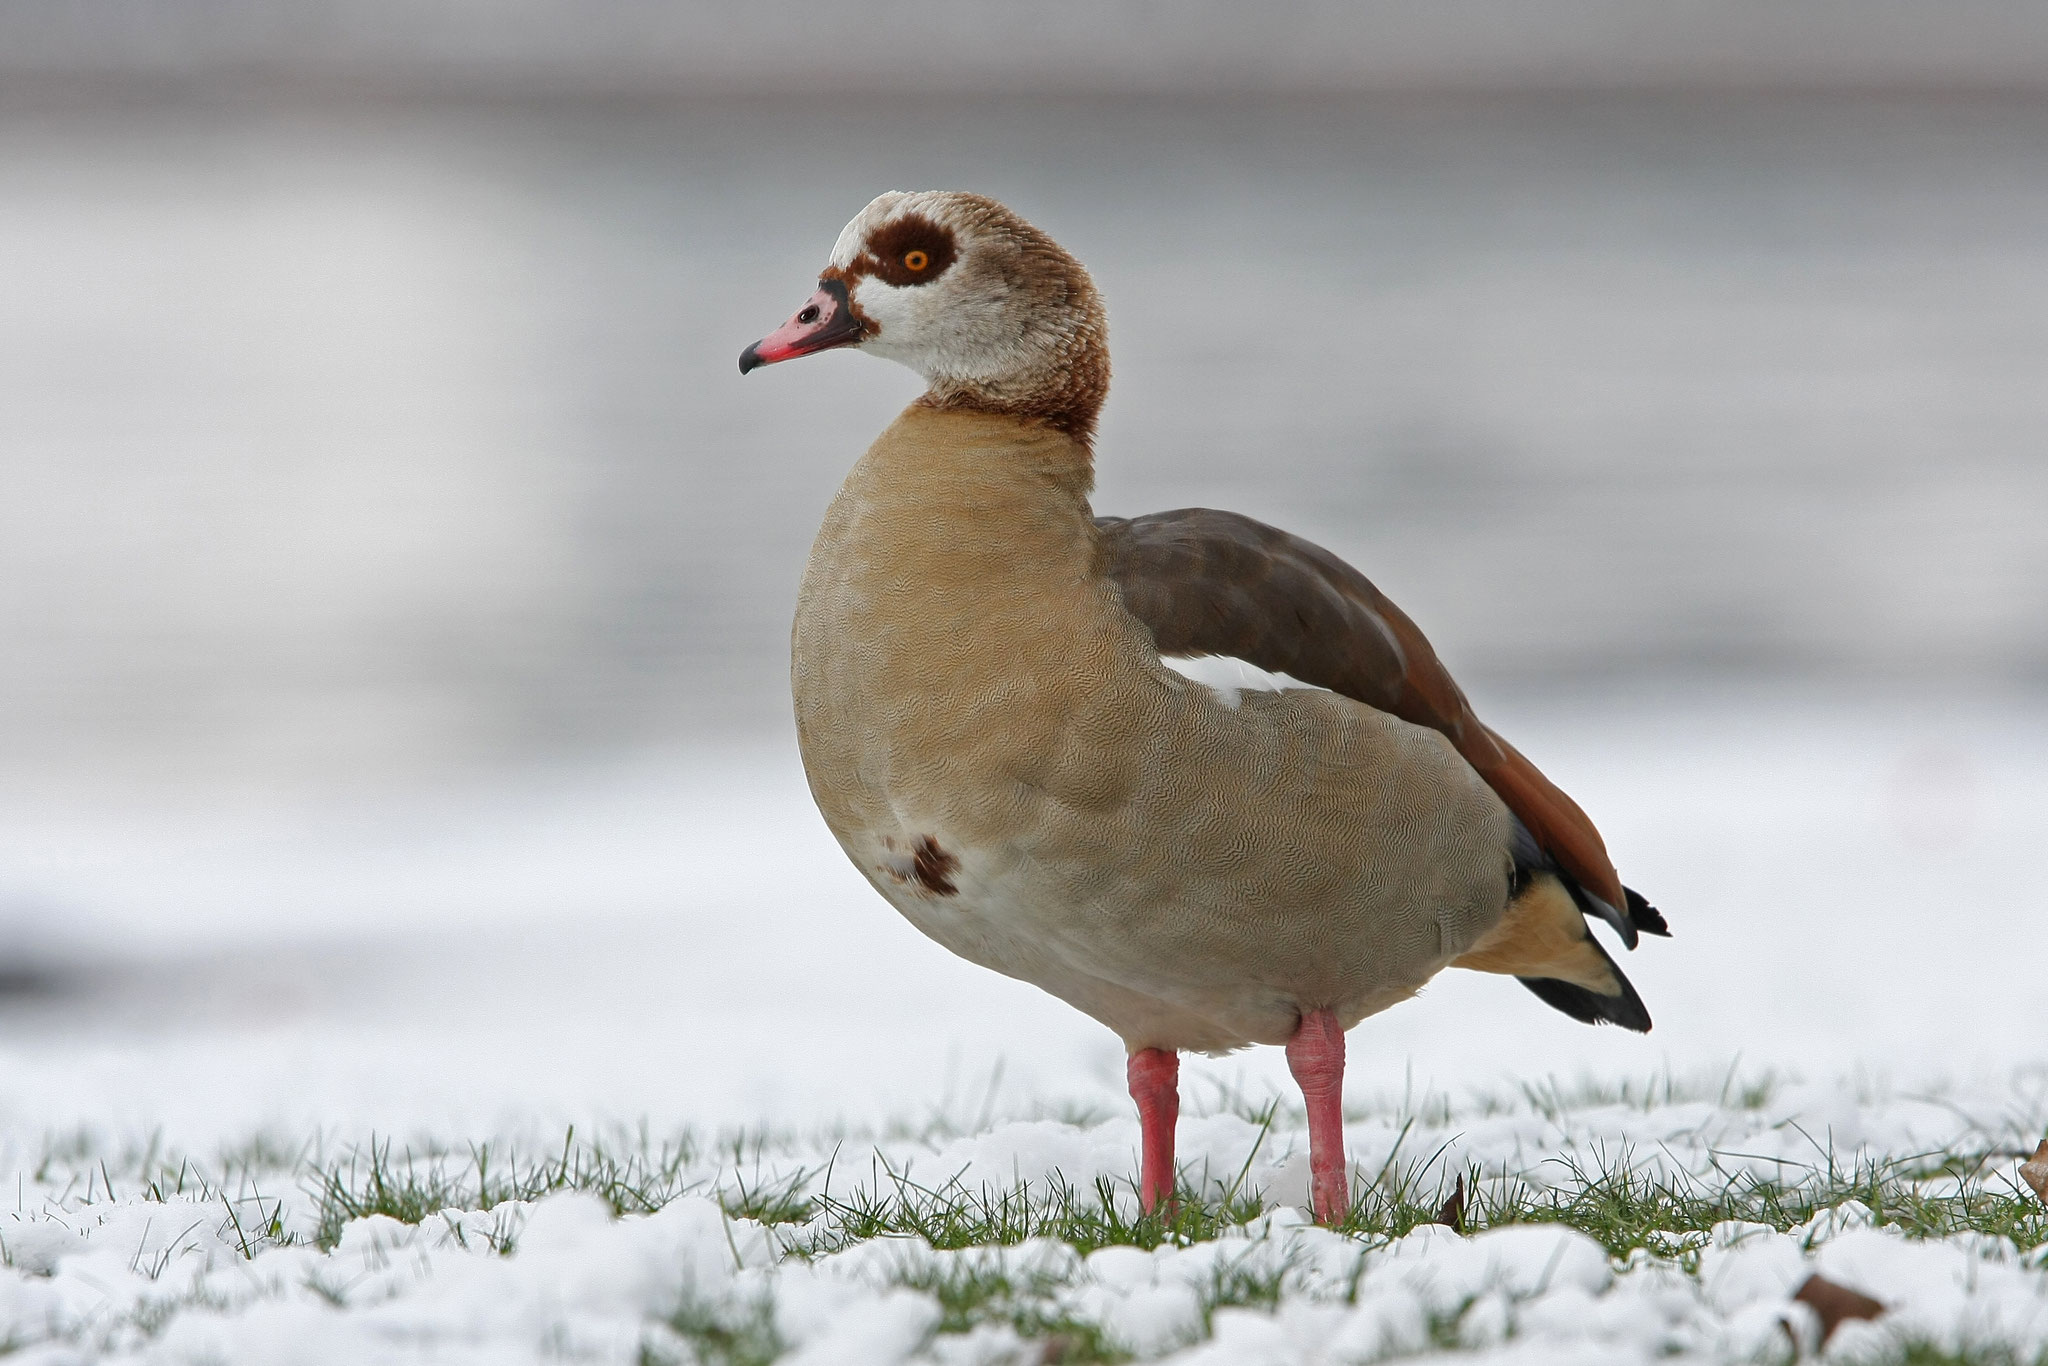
{"points": [[107, 1271]]}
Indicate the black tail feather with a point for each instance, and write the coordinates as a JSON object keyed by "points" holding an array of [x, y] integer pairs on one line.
{"points": [[1527, 858], [1644, 916], [1591, 1007], [1638, 916]]}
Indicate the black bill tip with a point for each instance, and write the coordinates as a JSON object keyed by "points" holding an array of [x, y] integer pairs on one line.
{"points": [[749, 359]]}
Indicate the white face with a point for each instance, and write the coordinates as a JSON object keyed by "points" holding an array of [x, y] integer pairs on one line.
{"points": [[946, 288], [967, 294]]}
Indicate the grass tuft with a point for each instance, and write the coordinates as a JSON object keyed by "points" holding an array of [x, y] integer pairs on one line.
{"points": [[742, 1334], [952, 1215], [1929, 1354], [1624, 1206], [412, 1187], [1239, 1284], [971, 1295]]}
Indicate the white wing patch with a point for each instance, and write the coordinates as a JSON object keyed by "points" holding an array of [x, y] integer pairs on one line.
{"points": [[1230, 677]]}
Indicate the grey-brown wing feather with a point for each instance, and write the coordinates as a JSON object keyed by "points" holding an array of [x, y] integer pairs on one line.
{"points": [[1215, 583], [1207, 582]]}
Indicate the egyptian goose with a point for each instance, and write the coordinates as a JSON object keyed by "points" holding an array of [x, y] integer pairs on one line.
{"points": [[1001, 707]]}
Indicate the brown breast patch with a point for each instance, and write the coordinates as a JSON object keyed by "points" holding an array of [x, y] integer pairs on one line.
{"points": [[929, 866], [933, 867]]}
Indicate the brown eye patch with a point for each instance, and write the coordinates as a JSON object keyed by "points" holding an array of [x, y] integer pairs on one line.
{"points": [[910, 251]]}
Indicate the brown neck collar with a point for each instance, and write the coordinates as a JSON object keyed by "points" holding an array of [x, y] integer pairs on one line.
{"points": [[1071, 413], [1065, 393]]}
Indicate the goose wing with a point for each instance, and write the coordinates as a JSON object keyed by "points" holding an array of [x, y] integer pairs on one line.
{"points": [[1216, 583]]}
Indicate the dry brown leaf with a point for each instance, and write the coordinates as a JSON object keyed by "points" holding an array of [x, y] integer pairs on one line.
{"points": [[1835, 1303], [2034, 1171], [1451, 1213]]}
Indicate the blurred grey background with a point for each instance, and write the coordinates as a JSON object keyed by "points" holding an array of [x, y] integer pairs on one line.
{"points": [[368, 404]]}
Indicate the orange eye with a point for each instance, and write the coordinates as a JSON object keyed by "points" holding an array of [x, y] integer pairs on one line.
{"points": [[915, 260]]}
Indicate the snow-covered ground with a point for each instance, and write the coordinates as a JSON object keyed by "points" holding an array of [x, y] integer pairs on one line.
{"points": [[227, 1271], [676, 945]]}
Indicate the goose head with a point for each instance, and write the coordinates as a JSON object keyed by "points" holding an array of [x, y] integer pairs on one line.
{"points": [[993, 313]]}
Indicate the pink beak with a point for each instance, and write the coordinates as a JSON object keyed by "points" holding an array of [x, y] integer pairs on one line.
{"points": [[826, 320]]}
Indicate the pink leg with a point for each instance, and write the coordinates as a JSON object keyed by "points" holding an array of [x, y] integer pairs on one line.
{"points": [[1155, 1084], [1316, 1057]]}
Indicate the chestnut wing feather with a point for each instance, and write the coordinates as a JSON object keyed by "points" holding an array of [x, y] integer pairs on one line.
{"points": [[1215, 583]]}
